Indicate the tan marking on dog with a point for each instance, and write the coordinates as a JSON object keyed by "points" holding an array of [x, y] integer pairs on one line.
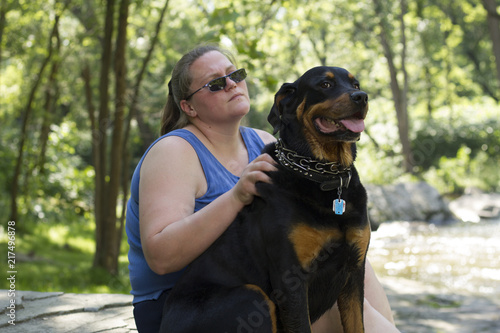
{"points": [[361, 239], [333, 151], [308, 241], [277, 101], [322, 146], [270, 304], [300, 111], [350, 76], [351, 311], [330, 75]]}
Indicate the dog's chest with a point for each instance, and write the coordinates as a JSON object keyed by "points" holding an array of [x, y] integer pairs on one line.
{"points": [[313, 246]]}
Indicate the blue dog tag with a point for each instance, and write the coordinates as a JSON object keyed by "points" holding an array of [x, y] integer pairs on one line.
{"points": [[339, 206]]}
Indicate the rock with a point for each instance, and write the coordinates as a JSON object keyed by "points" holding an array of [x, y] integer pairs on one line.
{"points": [[406, 202], [61, 312], [420, 308], [475, 204]]}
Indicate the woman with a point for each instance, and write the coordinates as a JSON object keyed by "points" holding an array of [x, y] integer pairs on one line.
{"points": [[194, 180]]}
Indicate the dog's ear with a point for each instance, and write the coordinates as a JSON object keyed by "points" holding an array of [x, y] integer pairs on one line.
{"points": [[276, 113]]}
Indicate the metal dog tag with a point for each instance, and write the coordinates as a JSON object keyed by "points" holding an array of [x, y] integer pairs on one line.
{"points": [[339, 206]]}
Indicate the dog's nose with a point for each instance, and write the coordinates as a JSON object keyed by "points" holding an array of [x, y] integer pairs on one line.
{"points": [[359, 97]]}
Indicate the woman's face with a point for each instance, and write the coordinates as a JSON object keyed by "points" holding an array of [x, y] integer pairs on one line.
{"points": [[228, 104]]}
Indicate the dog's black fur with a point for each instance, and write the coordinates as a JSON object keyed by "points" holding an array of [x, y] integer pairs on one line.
{"points": [[288, 257]]}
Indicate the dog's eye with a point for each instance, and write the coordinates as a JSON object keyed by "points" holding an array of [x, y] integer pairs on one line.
{"points": [[326, 84], [356, 86]]}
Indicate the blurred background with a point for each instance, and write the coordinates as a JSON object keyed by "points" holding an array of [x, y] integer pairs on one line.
{"points": [[82, 85]]}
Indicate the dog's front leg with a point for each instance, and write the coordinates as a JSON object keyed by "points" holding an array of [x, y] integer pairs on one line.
{"points": [[350, 303], [351, 299], [290, 294]]}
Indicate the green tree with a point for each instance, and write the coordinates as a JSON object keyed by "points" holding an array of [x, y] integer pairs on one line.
{"points": [[28, 111], [493, 20]]}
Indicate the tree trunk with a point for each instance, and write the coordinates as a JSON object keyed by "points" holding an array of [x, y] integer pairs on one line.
{"points": [[402, 111], [110, 230], [49, 107], [494, 28], [147, 136], [115, 176], [100, 139], [399, 94], [3, 23]]}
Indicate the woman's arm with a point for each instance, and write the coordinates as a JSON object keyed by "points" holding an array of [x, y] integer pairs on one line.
{"points": [[171, 178]]}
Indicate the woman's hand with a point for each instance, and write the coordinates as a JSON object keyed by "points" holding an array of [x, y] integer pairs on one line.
{"points": [[245, 190]]}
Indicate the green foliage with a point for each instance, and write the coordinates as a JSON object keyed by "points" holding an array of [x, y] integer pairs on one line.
{"points": [[459, 148], [445, 141], [61, 190], [378, 160], [453, 174]]}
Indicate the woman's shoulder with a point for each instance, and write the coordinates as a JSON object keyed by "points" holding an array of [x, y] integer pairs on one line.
{"points": [[170, 145], [175, 140], [266, 137], [172, 160], [263, 135]]}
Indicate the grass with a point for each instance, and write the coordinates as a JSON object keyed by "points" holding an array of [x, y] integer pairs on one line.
{"points": [[56, 257]]}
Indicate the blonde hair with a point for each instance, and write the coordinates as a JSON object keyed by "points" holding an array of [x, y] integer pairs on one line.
{"points": [[172, 115]]}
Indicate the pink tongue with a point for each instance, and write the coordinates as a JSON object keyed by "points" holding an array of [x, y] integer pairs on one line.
{"points": [[354, 125]]}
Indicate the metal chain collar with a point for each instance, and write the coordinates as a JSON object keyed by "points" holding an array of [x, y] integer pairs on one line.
{"points": [[331, 174]]}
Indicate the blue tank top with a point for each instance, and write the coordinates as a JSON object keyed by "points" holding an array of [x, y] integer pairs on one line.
{"points": [[146, 284]]}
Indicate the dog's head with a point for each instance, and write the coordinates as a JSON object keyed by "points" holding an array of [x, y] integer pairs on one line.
{"points": [[321, 114]]}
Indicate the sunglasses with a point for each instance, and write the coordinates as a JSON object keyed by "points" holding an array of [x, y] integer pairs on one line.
{"points": [[220, 82]]}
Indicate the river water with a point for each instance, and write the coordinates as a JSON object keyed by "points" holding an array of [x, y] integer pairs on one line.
{"points": [[462, 258]]}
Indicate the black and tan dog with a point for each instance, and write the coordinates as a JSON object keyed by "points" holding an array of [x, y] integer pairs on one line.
{"points": [[301, 245]]}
